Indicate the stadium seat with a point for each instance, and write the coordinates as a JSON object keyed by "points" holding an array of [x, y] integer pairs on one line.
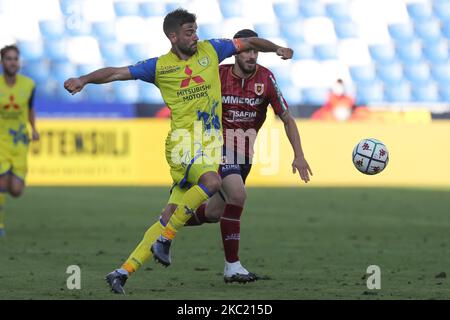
{"points": [[112, 52], [292, 31], [230, 8], [410, 53], [436, 53], [363, 75], [79, 29], [69, 7], [369, 93], [425, 93], [444, 93], [126, 92], [152, 9], [292, 95], [419, 11], [428, 31], [104, 30], [267, 30], [52, 29], [401, 33], [31, 50], [315, 96], [441, 9], [126, 8], [382, 53], [137, 51], [56, 50], [286, 11], [390, 73], [209, 31], [326, 52], [62, 71], [302, 51], [282, 75], [86, 68], [38, 71], [399, 92], [149, 93], [345, 29], [97, 93], [338, 11], [311, 8], [441, 73], [418, 74]]}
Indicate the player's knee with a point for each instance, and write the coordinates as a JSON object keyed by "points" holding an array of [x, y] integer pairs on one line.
{"points": [[16, 192], [211, 181], [237, 197]]}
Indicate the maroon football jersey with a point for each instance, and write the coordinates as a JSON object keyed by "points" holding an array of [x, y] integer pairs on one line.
{"points": [[244, 106]]}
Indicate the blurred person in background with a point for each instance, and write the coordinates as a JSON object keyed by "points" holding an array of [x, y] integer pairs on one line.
{"points": [[339, 106]]}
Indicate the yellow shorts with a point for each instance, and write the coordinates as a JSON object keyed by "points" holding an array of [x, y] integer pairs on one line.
{"points": [[13, 159]]}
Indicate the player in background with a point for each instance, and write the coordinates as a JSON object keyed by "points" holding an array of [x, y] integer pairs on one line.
{"points": [[188, 78], [16, 110], [247, 90]]}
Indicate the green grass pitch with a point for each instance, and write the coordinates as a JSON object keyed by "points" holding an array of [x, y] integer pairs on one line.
{"points": [[309, 243]]}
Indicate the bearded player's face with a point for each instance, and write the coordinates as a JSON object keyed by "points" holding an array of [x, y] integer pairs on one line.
{"points": [[247, 61], [186, 38], [10, 62]]}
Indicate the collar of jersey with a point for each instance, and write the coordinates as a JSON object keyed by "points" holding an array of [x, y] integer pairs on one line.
{"points": [[237, 77]]}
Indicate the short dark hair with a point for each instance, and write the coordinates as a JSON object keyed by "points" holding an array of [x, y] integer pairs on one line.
{"points": [[5, 49], [176, 19], [245, 33]]}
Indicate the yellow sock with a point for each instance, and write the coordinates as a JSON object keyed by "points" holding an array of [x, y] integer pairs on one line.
{"points": [[191, 200], [2, 210], [142, 252]]}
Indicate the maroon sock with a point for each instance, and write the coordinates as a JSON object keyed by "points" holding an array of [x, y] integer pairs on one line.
{"points": [[230, 226], [199, 217]]}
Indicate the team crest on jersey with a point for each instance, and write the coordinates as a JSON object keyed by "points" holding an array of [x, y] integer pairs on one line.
{"points": [[203, 61], [259, 88]]}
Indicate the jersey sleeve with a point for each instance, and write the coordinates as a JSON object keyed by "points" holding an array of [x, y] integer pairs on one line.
{"points": [[144, 70], [275, 96], [225, 48]]}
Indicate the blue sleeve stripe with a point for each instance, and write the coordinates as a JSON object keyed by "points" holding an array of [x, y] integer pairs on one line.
{"points": [[224, 48]]}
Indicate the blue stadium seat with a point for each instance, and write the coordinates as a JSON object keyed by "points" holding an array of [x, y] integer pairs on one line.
{"points": [[292, 31], [62, 94], [426, 93], [282, 75], [311, 8], [292, 95], [170, 6], [113, 52], [444, 93], [267, 30], [62, 71], [401, 33], [231, 8], [286, 11], [369, 93], [418, 74], [152, 9], [104, 30], [390, 73], [31, 50], [38, 71], [446, 29], [399, 92], [80, 29], [382, 53], [209, 31], [363, 75], [419, 11], [52, 29], [137, 51], [126, 92], [441, 73], [338, 11], [409, 53], [442, 9], [86, 68], [149, 93], [302, 51], [346, 29], [69, 7], [315, 96], [56, 50], [126, 8], [96, 93], [436, 53], [326, 52], [428, 31]]}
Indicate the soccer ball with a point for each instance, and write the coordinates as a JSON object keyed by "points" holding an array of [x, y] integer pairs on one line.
{"points": [[370, 156]]}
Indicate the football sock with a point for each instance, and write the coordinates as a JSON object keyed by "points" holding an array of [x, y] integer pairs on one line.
{"points": [[191, 200], [199, 217], [230, 226], [142, 252], [2, 208]]}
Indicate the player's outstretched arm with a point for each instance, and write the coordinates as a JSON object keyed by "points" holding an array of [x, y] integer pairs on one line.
{"points": [[104, 75], [263, 45], [299, 162]]}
